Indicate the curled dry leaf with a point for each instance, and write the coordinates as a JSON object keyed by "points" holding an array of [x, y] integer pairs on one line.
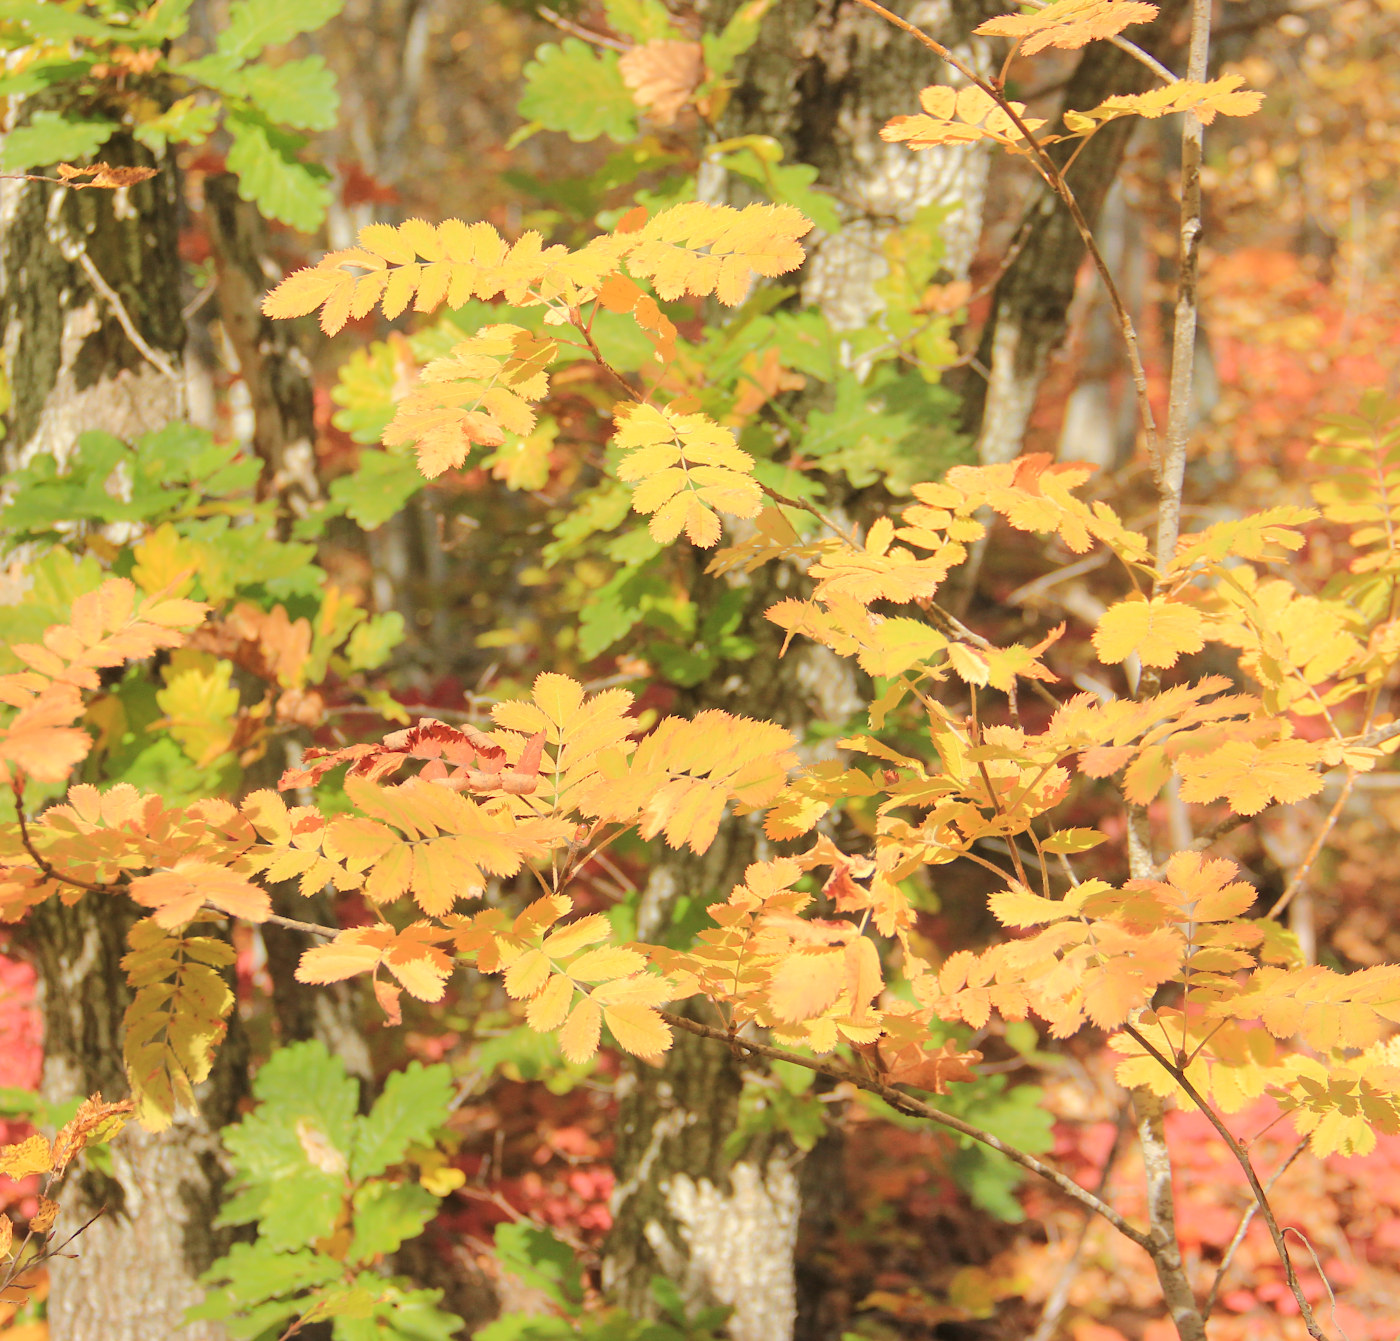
{"points": [[663, 75]]}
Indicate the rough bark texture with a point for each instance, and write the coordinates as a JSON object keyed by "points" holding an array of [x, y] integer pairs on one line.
{"points": [[823, 78], [72, 367], [274, 370], [1031, 301]]}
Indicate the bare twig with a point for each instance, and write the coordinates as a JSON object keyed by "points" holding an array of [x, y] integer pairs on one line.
{"points": [[1242, 1158], [1059, 1295], [1055, 179], [1246, 1220], [154, 357], [1173, 471], [1161, 1211], [578, 30], [1300, 876]]}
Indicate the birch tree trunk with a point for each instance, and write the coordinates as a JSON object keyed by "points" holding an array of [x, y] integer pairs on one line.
{"points": [[723, 1223], [91, 336]]}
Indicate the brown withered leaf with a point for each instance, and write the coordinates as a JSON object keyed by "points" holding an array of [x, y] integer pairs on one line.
{"points": [[94, 1121], [103, 175], [43, 1219], [663, 75]]}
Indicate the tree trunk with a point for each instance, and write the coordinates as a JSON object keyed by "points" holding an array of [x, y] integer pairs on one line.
{"points": [[1031, 301], [92, 334], [723, 1223]]}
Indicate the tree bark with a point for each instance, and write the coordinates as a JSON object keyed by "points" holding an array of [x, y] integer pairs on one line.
{"points": [[1031, 301], [724, 1223], [91, 336]]}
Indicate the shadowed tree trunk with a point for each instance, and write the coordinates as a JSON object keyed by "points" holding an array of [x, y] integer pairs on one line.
{"points": [[1031, 301], [91, 332], [718, 1216]]}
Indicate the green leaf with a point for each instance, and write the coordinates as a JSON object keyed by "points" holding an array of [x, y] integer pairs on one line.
{"points": [[641, 20], [50, 138], [414, 1103], [378, 487], [740, 33], [187, 121], [386, 1214], [372, 642], [57, 23], [785, 184], [253, 1272], [526, 1327], [163, 21], [542, 1261], [43, 73], [299, 93], [255, 24], [292, 1153], [398, 1314], [576, 89], [271, 176]]}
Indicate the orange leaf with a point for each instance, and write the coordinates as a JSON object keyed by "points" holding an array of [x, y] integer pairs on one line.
{"points": [[179, 893], [1068, 24]]}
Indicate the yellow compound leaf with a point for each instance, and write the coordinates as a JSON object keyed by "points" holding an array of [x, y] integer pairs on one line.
{"points": [[1258, 536], [578, 1039], [1214, 97], [959, 116], [179, 893], [549, 1007], [1068, 24], [176, 1019], [607, 962], [306, 290], [806, 982], [412, 955], [473, 396], [1016, 906], [1250, 775], [200, 704], [686, 468], [700, 249], [638, 1029], [1158, 630], [528, 974], [586, 931]]}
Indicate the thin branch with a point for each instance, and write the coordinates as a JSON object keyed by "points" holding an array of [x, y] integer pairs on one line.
{"points": [[1161, 1211], [1300, 876], [1246, 1220], [152, 356], [1173, 472], [905, 1103], [578, 30], [310, 928], [1059, 1296], [1053, 178], [1242, 1158]]}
